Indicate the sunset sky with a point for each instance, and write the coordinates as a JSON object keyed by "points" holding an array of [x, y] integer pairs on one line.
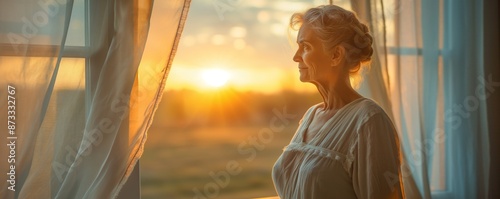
{"points": [[248, 40], [241, 44]]}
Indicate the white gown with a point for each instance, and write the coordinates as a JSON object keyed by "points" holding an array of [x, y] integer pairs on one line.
{"points": [[355, 154]]}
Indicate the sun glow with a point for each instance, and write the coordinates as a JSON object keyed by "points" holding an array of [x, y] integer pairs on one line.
{"points": [[215, 77]]}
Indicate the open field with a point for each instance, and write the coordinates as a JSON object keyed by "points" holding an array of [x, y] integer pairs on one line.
{"points": [[182, 150], [177, 161]]}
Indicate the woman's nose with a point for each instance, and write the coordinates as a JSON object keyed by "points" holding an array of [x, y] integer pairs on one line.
{"points": [[296, 57]]}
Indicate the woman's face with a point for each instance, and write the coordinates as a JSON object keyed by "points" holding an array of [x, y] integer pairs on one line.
{"points": [[314, 63]]}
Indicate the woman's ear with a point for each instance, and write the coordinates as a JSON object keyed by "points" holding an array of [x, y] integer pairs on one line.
{"points": [[338, 55]]}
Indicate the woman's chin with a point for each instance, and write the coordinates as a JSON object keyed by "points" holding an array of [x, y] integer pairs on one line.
{"points": [[302, 78], [305, 80]]}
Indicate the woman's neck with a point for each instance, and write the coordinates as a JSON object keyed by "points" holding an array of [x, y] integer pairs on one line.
{"points": [[337, 94]]}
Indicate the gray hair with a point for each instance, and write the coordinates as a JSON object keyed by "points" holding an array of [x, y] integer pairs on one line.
{"points": [[337, 26]]}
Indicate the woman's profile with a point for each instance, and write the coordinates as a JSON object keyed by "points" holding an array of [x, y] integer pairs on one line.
{"points": [[345, 147]]}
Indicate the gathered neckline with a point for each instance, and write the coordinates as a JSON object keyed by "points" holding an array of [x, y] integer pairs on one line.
{"points": [[310, 115]]}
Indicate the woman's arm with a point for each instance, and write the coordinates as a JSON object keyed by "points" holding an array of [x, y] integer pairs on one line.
{"points": [[376, 168]]}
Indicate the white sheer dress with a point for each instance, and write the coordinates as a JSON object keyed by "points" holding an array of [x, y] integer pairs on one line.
{"points": [[354, 155]]}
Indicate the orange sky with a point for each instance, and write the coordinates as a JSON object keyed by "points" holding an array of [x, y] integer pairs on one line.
{"points": [[249, 40]]}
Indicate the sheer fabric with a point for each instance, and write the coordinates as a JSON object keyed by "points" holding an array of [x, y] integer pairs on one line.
{"points": [[85, 90], [466, 90], [428, 54], [378, 82], [344, 159]]}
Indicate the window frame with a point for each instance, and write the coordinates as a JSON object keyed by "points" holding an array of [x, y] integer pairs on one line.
{"points": [[91, 55], [132, 188]]}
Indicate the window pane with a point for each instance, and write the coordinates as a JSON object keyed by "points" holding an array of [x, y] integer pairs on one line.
{"points": [[76, 31], [71, 74], [37, 71], [22, 21]]}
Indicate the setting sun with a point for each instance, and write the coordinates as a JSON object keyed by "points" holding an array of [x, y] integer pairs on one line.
{"points": [[215, 77]]}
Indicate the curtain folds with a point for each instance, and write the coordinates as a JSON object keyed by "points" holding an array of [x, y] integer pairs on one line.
{"points": [[86, 89], [377, 84], [467, 88], [431, 52]]}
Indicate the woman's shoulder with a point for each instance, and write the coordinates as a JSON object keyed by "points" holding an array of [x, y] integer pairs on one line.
{"points": [[370, 106], [365, 109]]}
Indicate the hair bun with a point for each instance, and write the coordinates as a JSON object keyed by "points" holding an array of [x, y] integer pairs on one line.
{"points": [[363, 41]]}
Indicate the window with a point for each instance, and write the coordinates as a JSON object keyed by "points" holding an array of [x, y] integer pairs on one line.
{"points": [[414, 46], [43, 32], [211, 138]]}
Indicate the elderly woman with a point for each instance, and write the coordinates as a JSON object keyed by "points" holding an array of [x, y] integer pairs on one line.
{"points": [[345, 147]]}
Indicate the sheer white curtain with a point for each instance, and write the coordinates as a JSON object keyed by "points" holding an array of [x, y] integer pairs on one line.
{"points": [[428, 71], [377, 83], [82, 80]]}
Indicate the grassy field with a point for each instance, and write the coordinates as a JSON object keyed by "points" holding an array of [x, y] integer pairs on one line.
{"points": [[176, 161], [196, 135]]}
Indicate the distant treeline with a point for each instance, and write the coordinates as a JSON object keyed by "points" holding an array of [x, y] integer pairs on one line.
{"points": [[188, 108]]}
